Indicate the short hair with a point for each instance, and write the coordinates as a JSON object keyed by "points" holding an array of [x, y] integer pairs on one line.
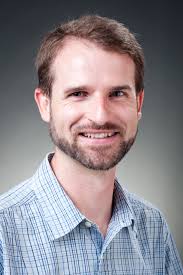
{"points": [[107, 33]]}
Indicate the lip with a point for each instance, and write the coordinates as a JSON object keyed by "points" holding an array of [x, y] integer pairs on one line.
{"points": [[99, 131], [99, 141]]}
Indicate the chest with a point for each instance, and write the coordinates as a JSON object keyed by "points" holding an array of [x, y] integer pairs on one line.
{"points": [[83, 251]]}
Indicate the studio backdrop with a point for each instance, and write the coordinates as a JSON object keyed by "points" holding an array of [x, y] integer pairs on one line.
{"points": [[153, 168]]}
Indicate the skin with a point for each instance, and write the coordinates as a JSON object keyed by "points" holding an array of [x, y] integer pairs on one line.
{"points": [[86, 99]]}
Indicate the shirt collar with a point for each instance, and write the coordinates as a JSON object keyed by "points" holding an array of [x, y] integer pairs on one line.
{"points": [[122, 208], [60, 212]]}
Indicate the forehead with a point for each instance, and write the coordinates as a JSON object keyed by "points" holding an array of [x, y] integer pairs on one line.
{"points": [[82, 58]]}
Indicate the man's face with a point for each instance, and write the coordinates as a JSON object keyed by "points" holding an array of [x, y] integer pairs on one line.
{"points": [[93, 107]]}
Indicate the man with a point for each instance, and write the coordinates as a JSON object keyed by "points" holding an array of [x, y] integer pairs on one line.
{"points": [[72, 216]]}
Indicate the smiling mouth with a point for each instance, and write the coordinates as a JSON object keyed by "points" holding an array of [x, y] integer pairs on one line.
{"points": [[99, 135]]}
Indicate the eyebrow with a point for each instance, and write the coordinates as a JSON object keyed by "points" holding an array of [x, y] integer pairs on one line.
{"points": [[122, 87], [75, 88]]}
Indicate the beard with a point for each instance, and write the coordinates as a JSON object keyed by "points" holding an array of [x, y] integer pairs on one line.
{"points": [[96, 158]]}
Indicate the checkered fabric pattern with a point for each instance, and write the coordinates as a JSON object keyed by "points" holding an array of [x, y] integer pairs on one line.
{"points": [[42, 232]]}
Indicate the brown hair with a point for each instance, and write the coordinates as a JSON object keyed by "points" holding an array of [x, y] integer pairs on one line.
{"points": [[107, 33]]}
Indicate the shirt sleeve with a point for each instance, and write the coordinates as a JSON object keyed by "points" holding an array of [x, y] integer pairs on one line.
{"points": [[173, 263]]}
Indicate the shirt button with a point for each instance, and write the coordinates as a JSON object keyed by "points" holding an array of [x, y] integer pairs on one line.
{"points": [[88, 224]]}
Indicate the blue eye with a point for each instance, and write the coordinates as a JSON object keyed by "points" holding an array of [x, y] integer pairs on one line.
{"points": [[117, 93]]}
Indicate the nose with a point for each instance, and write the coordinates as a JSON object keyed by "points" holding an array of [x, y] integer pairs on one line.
{"points": [[99, 110]]}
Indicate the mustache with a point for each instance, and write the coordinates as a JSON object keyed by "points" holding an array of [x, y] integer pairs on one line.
{"points": [[95, 126]]}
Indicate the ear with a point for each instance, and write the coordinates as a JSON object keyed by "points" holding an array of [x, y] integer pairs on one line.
{"points": [[140, 99], [43, 103]]}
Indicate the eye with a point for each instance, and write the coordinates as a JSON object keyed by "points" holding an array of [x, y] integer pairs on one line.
{"points": [[117, 93], [78, 94]]}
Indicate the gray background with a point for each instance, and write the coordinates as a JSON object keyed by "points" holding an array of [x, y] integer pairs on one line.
{"points": [[153, 168]]}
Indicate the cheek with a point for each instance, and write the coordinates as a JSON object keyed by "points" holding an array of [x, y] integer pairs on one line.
{"points": [[130, 120], [68, 115], [132, 125]]}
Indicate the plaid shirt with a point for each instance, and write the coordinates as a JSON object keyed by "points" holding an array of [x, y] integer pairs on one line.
{"points": [[42, 232]]}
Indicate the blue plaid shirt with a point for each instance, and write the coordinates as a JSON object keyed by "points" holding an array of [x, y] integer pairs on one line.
{"points": [[42, 232]]}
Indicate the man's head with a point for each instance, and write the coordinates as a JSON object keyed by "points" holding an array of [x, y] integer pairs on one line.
{"points": [[104, 32], [91, 90]]}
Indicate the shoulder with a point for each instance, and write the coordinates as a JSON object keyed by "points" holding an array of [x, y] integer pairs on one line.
{"points": [[19, 195], [139, 204], [145, 213], [150, 223], [18, 207]]}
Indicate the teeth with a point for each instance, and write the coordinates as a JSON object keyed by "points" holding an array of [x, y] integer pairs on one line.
{"points": [[98, 135]]}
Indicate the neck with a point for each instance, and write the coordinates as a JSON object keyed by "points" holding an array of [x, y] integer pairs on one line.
{"points": [[91, 191]]}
